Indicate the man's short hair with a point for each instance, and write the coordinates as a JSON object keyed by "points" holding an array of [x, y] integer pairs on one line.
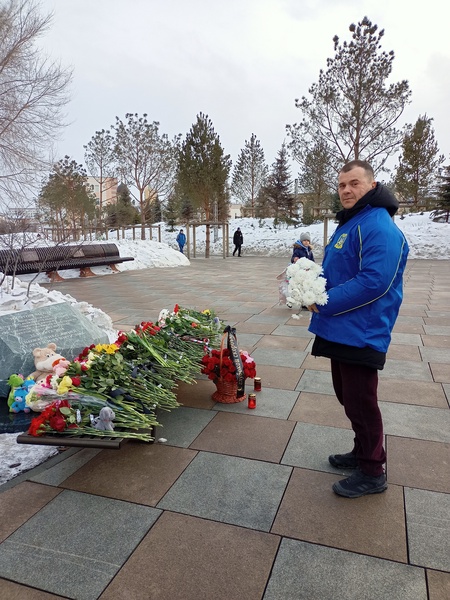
{"points": [[359, 163]]}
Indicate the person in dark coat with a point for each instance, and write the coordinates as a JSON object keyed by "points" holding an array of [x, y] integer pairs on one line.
{"points": [[181, 239], [238, 240], [302, 248]]}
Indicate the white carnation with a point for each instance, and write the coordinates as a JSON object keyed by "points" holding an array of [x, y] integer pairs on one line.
{"points": [[306, 284]]}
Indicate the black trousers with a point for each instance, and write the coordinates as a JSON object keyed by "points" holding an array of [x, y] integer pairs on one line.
{"points": [[356, 387], [237, 247]]}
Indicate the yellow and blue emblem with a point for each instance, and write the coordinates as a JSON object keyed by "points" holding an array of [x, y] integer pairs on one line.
{"points": [[341, 241]]}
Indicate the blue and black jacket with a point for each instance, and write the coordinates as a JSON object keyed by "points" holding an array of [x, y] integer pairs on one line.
{"points": [[363, 265]]}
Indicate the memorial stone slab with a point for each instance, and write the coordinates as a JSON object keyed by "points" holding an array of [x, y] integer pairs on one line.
{"points": [[60, 323]]}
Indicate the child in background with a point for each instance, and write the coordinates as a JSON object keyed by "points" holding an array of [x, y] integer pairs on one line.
{"points": [[303, 248]]}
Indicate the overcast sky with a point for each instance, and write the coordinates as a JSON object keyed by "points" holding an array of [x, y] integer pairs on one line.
{"points": [[242, 62]]}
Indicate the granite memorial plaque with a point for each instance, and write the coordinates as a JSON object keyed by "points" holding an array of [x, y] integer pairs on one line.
{"points": [[24, 331]]}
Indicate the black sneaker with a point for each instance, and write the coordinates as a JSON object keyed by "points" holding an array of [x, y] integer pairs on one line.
{"points": [[343, 461], [359, 484]]}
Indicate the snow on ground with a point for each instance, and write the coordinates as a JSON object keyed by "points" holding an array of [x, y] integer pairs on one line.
{"points": [[425, 238]]}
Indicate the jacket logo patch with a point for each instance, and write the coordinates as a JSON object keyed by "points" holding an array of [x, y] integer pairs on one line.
{"points": [[341, 241]]}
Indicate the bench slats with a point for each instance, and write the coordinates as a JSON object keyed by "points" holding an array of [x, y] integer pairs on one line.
{"points": [[56, 258]]}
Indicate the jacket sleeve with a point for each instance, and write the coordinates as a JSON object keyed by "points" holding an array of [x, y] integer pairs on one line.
{"points": [[379, 256]]}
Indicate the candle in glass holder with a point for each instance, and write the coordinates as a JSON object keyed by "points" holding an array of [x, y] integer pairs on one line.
{"points": [[252, 401], [257, 384]]}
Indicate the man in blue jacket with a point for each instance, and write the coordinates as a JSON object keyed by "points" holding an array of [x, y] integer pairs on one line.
{"points": [[363, 265]]}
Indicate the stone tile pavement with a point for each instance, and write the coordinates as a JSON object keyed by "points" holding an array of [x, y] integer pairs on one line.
{"points": [[238, 503]]}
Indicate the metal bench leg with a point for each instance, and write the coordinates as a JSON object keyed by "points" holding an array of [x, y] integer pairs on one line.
{"points": [[86, 272], [54, 276]]}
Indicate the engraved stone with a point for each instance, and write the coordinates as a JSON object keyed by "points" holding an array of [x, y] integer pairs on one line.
{"points": [[21, 332]]}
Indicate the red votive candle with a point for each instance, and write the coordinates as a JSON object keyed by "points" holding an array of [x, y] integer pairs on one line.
{"points": [[257, 384], [252, 401]]}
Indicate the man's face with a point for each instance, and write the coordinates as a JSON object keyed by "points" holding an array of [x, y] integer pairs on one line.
{"points": [[353, 185]]}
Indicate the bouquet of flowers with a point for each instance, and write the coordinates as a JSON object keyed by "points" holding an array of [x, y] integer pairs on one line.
{"points": [[191, 323], [218, 364], [133, 376], [306, 285]]}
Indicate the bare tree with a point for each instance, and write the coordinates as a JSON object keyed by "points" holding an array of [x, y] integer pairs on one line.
{"points": [[33, 93], [146, 159]]}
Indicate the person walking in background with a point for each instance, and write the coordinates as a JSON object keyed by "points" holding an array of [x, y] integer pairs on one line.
{"points": [[363, 264], [303, 248], [238, 240], [181, 239]]}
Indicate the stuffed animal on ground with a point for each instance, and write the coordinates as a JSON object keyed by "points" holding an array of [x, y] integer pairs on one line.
{"points": [[44, 360], [104, 421], [18, 394]]}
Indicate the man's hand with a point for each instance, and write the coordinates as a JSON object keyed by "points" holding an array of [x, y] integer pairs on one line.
{"points": [[313, 308]]}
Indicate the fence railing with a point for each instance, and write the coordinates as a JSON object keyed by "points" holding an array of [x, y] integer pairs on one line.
{"points": [[152, 232]]}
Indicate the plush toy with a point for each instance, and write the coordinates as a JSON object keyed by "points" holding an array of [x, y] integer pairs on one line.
{"points": [[104, 419], [18, 394], [44, 360]]}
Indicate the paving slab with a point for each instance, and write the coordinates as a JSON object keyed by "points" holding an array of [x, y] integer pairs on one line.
{"points": [[14, 591], [311, 445], [436, 355], [312, 512], [279, 357], [72, 560], [440, 372], [418, 463], [235, 562], [287, 343], [304, 571], [403, 352], [318, 382], [436, 341], [421, 393], [438, 585], [241, 435], [62, 470], [141, 472], [230, 490], [181, 426], [196, 395], [289, 331], [419, 422], [20, 503], [428, 528], [273, 403], [320, 409], [405, 369], [285, 378]]}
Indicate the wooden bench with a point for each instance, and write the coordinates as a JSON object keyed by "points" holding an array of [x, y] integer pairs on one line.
{"points": [[51, 259]]}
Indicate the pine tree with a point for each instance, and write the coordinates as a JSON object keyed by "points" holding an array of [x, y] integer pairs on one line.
{"points": [[203, 170], [250, 174], [419, 162], [442, 210], [352, 110], [279, 189], [65, 197], [316, 177], [122, 213]]}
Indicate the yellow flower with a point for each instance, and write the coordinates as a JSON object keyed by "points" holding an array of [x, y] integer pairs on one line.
{"points": [[206, 312], [108, 348], [64, 385]]}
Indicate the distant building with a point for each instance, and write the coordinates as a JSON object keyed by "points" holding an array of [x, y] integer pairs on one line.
{"points": [[109, 194], [236, 211]]}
